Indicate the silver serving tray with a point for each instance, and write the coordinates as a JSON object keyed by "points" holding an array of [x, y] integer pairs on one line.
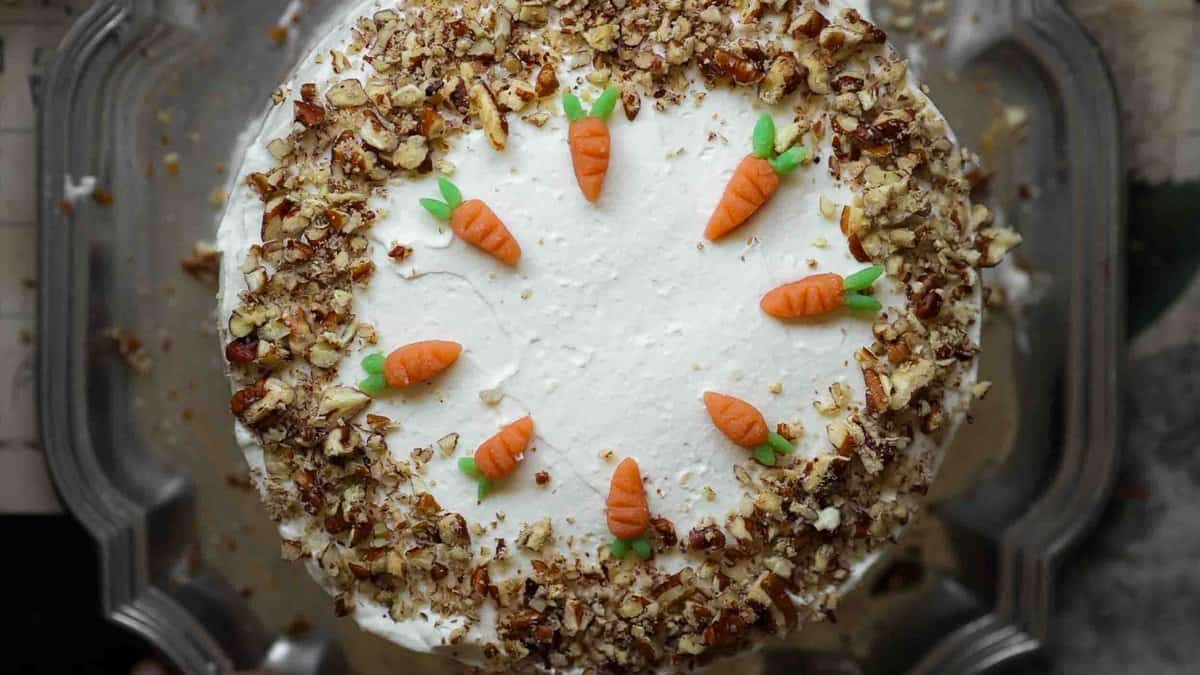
{"points": [[136, 79]]}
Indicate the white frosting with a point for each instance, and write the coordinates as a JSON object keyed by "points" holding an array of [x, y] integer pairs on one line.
{"points": [[628, 317]]}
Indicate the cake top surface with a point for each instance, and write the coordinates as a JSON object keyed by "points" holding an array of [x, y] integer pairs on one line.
{"points": [[617, 319]]}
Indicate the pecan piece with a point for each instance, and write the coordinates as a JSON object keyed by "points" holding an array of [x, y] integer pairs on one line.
{"points": [[776, 588], [930, 305], [899, 353], [242, 350], [743, 71], [309, 114], [877, 399], [726, 629], [665, 529], [704, 538], [481, 581], [631, 103], [856, 248], [246, 397], [546, 82], [807, 23]]}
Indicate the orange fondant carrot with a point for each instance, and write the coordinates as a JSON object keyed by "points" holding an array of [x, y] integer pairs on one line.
{"points": [[738, 420], [811, 296], [752, 185], [419, 362], [628, 511], [497, 457], [821, 294], [743, 424], [479, 225], [754, 181], [474, 222], [590, 141]]}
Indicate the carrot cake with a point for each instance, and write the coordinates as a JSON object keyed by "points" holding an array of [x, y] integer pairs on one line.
{"points": [[599, 335]]}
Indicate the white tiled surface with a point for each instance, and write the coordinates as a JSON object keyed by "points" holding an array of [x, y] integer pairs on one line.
{"points": [[16, 105], [17, 173], [29, 31]]}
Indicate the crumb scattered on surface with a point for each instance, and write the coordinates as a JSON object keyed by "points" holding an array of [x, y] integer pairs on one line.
{"points": [[131, 349]]}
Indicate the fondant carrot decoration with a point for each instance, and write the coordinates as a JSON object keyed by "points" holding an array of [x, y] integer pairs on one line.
{"points": [[408, 365], [628, 512], [591, 144], [754, 181], [474, 222], [822, 293], [743, 424], [497, 457]]}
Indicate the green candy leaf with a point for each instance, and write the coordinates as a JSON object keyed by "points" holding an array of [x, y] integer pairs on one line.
{"points": [[765, 455], [467, 465], [764, 137], [779, 444], [485, 488], [604, 105], [788, 161], [440, 210], [373, 363], [450, 192], [374, 385], [641, 546], [863, 278], [618, 548], [572, 107], [862, 303]]}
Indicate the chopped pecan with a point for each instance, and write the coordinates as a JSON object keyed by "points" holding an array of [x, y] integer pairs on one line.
{"points": [[742, 70], [665, 529], [495, 125], [546, 82], [877, 398], [631, 103], [930, 304], [777, 588], [807, 23], [899, 352], [726, 629], [244, 398], [309, 114], [242, 350], [399, 252], [704, 538], [438, 571], [481, 581], [856, 248], [520, 623]]}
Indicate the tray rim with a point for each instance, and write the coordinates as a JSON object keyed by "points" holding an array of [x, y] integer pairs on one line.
{"points": [[169, 618], [1034, 547], [1031, 549]]}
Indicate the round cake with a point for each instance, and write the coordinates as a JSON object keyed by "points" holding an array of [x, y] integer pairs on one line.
{"points": [[609, 335]]}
